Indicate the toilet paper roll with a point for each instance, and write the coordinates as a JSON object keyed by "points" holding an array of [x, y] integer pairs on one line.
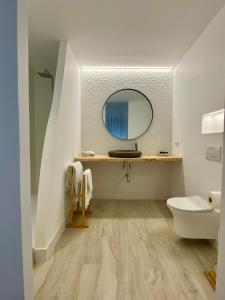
{"points": [[214, 198]]}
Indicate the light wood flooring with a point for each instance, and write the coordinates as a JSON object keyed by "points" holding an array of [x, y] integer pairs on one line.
{"points": [[128, 252]]}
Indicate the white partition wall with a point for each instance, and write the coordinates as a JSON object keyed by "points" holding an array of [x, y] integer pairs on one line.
{"points": [[62, 143]]}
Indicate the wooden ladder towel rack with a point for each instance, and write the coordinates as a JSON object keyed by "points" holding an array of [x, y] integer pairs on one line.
{"points": [[78, 218]]}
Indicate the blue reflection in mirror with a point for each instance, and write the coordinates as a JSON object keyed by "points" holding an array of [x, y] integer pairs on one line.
{"points": [[116, 119]]}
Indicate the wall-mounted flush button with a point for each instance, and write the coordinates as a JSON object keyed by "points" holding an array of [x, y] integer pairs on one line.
{"points": [[213, 153]]}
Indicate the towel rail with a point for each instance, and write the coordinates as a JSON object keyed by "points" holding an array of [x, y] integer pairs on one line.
{"points": [[72, 221]]}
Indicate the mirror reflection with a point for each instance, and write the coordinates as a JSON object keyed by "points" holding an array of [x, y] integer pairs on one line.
{"points": [[127, 114]]}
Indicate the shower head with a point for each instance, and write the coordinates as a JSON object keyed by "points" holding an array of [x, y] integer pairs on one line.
{"points": [[45, 74]]}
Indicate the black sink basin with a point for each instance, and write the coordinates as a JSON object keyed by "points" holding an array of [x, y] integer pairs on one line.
{"points": [[125, 153]]}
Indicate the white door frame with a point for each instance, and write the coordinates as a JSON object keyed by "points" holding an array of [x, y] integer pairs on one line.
{"points": [[220, 287], [24, 133]]}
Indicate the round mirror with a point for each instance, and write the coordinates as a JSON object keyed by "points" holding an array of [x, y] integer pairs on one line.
{"points": [[127, 114]]}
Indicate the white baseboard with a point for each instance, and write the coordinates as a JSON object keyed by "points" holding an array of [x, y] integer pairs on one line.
{"points": [[43, 254]]}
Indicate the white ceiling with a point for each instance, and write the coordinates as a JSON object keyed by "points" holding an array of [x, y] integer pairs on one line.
{"points": [[150, 33]]}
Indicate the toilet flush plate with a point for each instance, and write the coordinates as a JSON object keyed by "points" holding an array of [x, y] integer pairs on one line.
{"points": [[213, 153]]}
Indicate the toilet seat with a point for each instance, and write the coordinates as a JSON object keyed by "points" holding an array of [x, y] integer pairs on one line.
{"points": [[191, 204]]}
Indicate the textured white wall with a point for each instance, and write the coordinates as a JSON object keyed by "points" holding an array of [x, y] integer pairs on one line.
{"points": [[62, 142], [199, 87], [147, 178], [99, 84]]}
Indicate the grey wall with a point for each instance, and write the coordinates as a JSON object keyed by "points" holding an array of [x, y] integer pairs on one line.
{"points": [[40, 104], [11, 267]]}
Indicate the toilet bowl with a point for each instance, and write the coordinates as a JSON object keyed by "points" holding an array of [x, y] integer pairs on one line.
{"points": [[194, 217]]}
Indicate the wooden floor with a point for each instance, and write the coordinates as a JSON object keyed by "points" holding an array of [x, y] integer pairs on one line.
{"points": [[129, 252]]}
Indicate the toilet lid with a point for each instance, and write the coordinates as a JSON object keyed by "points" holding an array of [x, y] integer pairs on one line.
{"points": [[193, 204]]}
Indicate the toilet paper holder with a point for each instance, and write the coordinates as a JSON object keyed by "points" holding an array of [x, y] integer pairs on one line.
{"points": [[210, 199]]}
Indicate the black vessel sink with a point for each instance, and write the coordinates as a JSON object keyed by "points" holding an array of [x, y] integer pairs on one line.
{"points": [[125, 153]]}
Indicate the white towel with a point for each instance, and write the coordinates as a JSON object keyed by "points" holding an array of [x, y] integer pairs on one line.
{"points": [[89, 180], [75, 170], [88, 186]]}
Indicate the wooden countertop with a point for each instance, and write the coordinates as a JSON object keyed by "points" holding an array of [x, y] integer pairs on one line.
{"points": [[146, 158]]}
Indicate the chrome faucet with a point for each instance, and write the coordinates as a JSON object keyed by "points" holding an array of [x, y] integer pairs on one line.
{"points": [[136, 145]]}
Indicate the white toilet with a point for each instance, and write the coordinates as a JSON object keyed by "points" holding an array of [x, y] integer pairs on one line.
{"points": [[194, 217]]}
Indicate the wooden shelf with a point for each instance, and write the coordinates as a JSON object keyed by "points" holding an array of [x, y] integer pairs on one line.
{"points": [[143, 158]]}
